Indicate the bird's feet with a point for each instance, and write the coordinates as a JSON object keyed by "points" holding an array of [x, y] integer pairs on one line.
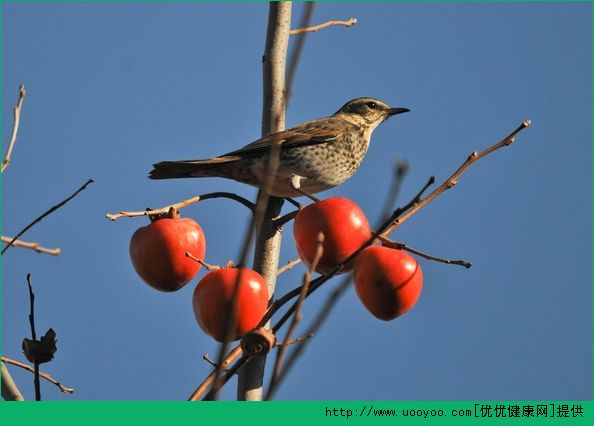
{"points": [[295, 182]]}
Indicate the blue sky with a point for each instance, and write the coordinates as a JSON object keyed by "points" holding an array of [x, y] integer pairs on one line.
{"points": [[113, 88]]}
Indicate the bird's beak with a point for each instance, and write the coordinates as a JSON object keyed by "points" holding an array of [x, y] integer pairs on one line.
{"points": [[394, 111]]}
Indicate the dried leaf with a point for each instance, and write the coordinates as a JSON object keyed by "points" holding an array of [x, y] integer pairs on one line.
{"points": [[41, 351]]}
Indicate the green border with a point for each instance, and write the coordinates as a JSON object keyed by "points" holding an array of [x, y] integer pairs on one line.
{"points": [[289, 413]]}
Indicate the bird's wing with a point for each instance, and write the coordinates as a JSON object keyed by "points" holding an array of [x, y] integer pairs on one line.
{"points": [[311, 133]]}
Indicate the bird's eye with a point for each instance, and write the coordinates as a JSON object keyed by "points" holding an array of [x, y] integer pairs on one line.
{"points": [[371, 104]]}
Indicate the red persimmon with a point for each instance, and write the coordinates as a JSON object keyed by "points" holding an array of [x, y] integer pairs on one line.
{"points": [[213, 296], [158, 252], [343, 224], [387, 281]]}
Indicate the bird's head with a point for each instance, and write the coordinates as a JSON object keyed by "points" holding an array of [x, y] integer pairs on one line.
{"points": [[368, 111]]}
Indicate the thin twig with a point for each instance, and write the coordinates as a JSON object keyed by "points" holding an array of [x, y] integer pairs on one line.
{"points": [[206, 358], [290, 265], [386, 242], [295, 203], [32, 308], [63, 389], [200, 390], [207, 266], [181, 205], [348, 23], [277, 370], [33, 337], [453, 179], [295, 340], [32, 245], [48, 212], [15, 127], [279, 222], [400, 169]]}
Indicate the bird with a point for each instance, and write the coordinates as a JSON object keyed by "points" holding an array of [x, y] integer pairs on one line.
{"points": [[313, 156]]}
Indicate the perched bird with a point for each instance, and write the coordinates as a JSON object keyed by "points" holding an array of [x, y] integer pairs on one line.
{"points": [[320, 154]]}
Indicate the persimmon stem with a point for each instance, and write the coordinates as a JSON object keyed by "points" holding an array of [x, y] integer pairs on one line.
{"points": [[207, 266]]}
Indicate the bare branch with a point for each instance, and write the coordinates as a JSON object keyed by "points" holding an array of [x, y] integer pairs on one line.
{"points": [[290, 265], [281, 221], [181, 205], [32, 245], [206, 358], [33, 337], [207, 266], [453, 179], [63, 389], [386, 242], [47, 213], [295, 340], [15, 127], [201, 390], [400, 169], [348, 23]]}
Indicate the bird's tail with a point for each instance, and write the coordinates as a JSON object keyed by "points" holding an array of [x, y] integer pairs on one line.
{"points": [[191, 168]]}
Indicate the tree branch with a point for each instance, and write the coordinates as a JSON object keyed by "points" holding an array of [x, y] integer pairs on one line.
{"points": [[209, 380], [47, 213], [63, 389], [181, 205], [453, 179], [386, 242], [348, 23], [33, 337], [290, 265], [15, 127], [32, 245]]}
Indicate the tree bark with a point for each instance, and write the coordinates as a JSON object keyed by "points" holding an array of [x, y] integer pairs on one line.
{"points": [[10, 391], [268, 236]]}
